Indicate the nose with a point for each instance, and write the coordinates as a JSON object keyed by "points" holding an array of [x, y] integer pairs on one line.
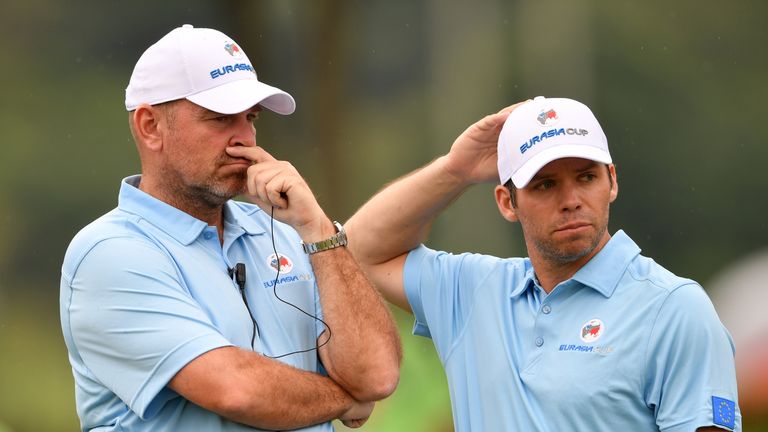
{"points": [[570, 198], [243, 132]]}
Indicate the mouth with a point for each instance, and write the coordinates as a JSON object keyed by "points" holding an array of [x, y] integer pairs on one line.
{"points": [[238, 162], [572, 227]]}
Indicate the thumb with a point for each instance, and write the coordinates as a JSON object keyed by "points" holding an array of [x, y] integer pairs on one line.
{"points": [[354, 424]]}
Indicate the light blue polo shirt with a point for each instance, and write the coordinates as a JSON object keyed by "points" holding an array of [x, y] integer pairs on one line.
{"points": [[624, 345], [145, 289]]}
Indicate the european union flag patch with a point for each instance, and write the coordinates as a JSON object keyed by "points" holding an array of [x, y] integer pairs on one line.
{"points": [[723, 412]]}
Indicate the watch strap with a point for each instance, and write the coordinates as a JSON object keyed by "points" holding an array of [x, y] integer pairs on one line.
{"points": [[337, 240]]}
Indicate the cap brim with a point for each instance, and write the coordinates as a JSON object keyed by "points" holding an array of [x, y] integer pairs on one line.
{"points": [[237, 96], [533, 165]]}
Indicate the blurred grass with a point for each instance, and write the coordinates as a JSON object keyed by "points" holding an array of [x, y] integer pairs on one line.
{"points": [[36, 380], [421, 402]]}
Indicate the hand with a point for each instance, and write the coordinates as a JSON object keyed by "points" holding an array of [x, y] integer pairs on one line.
{"points": [[473, 157], [357, 415], [274, 183]]}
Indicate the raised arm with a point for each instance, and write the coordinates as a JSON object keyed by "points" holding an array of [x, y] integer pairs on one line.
{"points": [[399, 217], [363, 353]]}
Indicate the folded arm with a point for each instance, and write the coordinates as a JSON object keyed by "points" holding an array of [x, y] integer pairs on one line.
{"points": [[363, 353], [251, 389], [137, 330]]}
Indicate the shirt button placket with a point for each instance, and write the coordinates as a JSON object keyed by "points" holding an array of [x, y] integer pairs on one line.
{"points": [[546, 309]]}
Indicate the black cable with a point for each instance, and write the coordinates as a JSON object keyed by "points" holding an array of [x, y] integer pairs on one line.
{"points": [[274, 290], [239, 273]]}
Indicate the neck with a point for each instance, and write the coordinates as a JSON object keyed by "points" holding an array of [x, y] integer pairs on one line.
{"points": [[552, 271], [551, 274]]}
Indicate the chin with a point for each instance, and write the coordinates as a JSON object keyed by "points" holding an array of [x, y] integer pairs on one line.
{"points": [[232, 185], [572, 251], [223, 192], [580, 253], [585, 246]]}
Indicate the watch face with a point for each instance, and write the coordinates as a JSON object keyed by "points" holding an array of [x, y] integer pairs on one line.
{"points": [[341, 235]]}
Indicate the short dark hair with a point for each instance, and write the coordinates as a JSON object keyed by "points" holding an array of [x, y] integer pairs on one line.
{"points": [[513, 190]]}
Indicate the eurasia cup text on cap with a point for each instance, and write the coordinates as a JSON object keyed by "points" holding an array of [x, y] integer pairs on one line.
{"points": [[545, 129], [206, 67]]}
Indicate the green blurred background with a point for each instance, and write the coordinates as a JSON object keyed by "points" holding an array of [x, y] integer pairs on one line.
{"points": [[383, 87]]}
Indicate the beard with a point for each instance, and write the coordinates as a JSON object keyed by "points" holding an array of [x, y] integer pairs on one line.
{"points": [[566, 250], [213, 194], [210, 192], [559, 253]]}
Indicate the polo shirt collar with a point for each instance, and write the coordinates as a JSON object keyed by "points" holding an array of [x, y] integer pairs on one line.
{"points": [[602, 273], [242, 217], [180, 225], [529, 281]]}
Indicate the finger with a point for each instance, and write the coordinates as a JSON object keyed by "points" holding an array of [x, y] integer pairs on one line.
{"points": [[279, 174], [497, 120], [354, 424], [512, 107], [271, 182], [257, 190], [277, 191], [255, 154], [259, 174]]}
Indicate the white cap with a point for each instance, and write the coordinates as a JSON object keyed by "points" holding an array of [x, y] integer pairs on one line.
{"points": [[542, 130], [206, 67]]}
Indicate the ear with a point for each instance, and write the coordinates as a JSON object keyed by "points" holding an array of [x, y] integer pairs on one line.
{"points": [[504, 203], [614, 183], [146, 127]]}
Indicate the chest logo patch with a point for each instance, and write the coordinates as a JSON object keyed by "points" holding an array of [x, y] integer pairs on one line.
{"points": [[592, 330], [281, 262]]}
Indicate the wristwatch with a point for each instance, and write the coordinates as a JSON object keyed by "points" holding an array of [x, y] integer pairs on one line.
{"points": [[337, 240]]}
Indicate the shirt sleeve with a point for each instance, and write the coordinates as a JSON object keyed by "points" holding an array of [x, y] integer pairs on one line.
{"points": [[440, 288], [691, 371], [133, 323]]}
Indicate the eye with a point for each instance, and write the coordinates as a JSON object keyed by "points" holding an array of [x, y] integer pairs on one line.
{"points": [[588, 176], [544, 185]]}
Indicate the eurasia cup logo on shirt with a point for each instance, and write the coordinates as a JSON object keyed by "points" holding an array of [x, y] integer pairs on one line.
{"points": [[592, 330], [281, 262]]}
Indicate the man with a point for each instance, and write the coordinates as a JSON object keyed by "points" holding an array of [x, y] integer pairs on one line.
{"points": [[585, 334], [184, 310]]}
